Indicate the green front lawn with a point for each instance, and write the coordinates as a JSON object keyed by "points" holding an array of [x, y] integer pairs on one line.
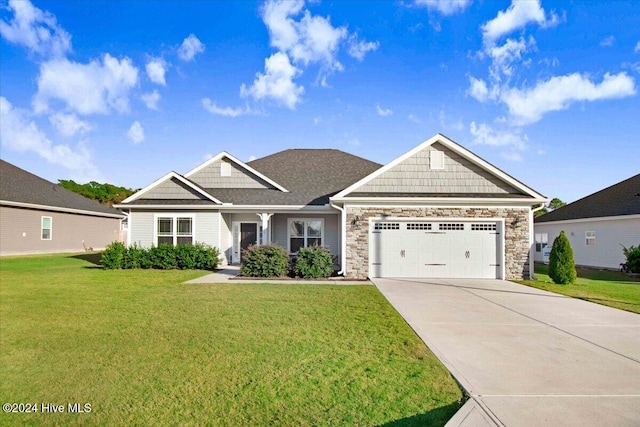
{"points": [[605, 287], [144, 349]]}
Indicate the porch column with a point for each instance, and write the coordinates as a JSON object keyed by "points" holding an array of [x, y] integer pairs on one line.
{"points": [[264, 217]]}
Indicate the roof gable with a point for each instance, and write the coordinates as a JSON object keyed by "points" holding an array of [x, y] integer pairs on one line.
{"points": [[21, 188], [208, 175], [620, 199], [464, 174], [174, 187]]}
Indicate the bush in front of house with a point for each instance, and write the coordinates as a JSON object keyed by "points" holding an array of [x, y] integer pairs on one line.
{"points": [[265, 261], [632, 253], [562, 267], [163, 257], [313, 262], [113, 255]]}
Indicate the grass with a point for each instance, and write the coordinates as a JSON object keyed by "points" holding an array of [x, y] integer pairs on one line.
{"points": [[144, 349], [606, 287]]}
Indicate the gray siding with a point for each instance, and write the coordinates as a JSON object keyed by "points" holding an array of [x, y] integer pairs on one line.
{"points": [[20, 230], [172, 189], [206, 223], [459, 176], [209, 177], [279, 223]]}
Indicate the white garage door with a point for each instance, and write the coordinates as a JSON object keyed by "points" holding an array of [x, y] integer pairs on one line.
{"points": [[446, 249]]}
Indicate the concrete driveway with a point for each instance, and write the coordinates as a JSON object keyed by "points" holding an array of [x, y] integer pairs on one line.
{"points": [[527, 357]]}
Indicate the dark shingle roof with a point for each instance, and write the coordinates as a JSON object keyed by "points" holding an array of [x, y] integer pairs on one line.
{"points": [[622, 198], [18, 185]]}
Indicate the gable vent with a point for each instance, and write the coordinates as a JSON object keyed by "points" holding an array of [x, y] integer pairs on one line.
{"points": [[436, 160]]}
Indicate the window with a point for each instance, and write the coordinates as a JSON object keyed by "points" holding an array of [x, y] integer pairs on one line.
{"points": [[454, 227], [436, 160], [46, 227], [386, 226], [174, 230], [304, 233], [483, 227], [418, 226], [542, 240], [590, 237], [225, 169]]}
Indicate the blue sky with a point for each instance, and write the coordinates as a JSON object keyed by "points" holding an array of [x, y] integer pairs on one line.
{"points": [[125, 92]]}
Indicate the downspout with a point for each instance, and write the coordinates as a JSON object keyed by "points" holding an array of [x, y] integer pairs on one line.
{"points": [[343, 237], [531, 240]]}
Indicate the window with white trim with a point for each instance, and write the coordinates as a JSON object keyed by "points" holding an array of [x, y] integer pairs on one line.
{"points": [[305, 232], [174, 230], [46, 227], [590, 237], [542, 240]]}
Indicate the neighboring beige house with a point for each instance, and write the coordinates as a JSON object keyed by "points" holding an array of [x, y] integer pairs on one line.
{"points": [[437, 211], [597, 225], [37, 216]]}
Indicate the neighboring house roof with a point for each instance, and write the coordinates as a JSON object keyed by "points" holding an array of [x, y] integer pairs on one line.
{"points": [[24, 189], [620, 199]]}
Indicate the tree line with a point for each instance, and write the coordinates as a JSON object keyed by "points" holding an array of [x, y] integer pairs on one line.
{"points": [[106, 194]]}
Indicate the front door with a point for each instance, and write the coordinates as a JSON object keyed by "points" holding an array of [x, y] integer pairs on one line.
{"points": [[248, 236]]}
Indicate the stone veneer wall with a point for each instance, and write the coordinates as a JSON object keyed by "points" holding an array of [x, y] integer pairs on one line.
{"points": [[516, 239]]}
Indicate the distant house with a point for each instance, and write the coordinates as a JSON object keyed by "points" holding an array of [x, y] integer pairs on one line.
{"points": [[436, 211], [37, 216], [596, 225]]}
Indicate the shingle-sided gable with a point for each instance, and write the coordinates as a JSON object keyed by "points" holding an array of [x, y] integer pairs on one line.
{"points": [[456, 173], [212, 176], [459, 176], [172, 189]]}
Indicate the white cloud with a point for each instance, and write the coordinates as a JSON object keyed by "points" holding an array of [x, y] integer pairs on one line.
{"points": [[136, 133], [213, 108], [503, 57], [20, 133], [191, 46], [359, 48], [414, 119], [96, 87], [383, 111], [445, 7], [449, 123], [517, 15], [478, 89], [252, 158], [276, 82], [637, 48], [68, 124], [558, 93], [35, 29], [156, 69], [485, 135], [151, 99], [512, 156], [607, 41]]}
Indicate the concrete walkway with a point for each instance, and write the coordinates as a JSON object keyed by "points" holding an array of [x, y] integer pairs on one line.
{"points": [[228, 275], [527, 357]]}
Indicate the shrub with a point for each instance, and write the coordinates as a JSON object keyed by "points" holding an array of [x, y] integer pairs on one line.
{"points": [[113, 255], [163, 257], [206, 257], [265, 261], [562, 267], [313, 262], [136, 257], [632, 253]]}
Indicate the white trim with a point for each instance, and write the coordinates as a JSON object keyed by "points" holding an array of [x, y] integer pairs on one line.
{"points": [[174, 216], [412, 201], [343, 238], [500, 221], [58, 209], [578, 220], [305, 220], [240, 163], [168, 176], [453, 146], [130, 227], [229, 208], [50, 227]]}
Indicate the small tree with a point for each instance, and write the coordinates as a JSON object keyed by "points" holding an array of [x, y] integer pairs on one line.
{"points": [[632, 253], [562, 267]]}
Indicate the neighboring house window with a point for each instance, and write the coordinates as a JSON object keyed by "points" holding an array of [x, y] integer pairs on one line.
{"points": [[542, 240], [590, 237], [305, 232], [47, 225], [174, 230]]}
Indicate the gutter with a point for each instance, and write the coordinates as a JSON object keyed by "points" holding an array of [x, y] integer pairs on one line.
{"points": [[343, 237], [532, 240]]}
